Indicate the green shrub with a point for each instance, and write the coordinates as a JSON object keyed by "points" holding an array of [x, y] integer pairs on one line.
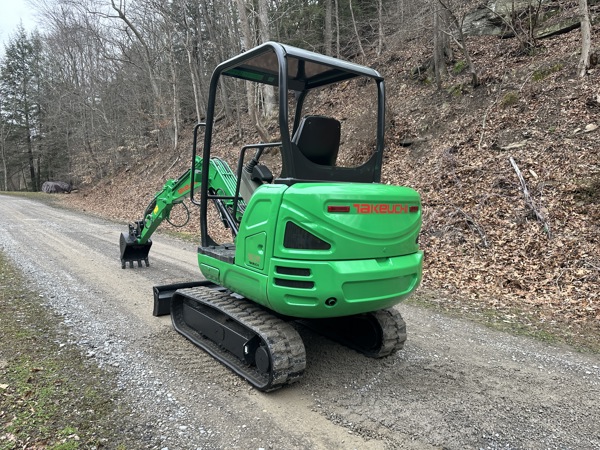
{"points": [[459, 67], [541, 74], [510, 99]]}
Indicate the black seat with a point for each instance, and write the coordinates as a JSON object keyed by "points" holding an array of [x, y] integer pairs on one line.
{"points": [[318, 139]]}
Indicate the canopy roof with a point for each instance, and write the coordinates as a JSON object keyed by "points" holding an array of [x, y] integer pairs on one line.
{"points": [[305, 69]]}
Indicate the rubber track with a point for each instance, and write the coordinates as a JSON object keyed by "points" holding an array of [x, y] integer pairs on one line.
{"points": [[394, 332], [288, 357]]}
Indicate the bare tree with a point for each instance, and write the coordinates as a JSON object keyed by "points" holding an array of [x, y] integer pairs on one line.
{"points": [[380, 34], [250, 87], [148, 62], [328, 32], [176, 112], [586, 38], [191, 44], [456, 33], [221, 25], [265, 35], [521, 22], [74, 104], [357, 34]]}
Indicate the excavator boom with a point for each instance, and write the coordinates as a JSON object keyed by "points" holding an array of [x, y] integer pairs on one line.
{"points": [[135, 244]]}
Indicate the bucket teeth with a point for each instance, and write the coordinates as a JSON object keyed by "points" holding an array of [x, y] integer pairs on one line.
{"points": [[131, 251]]}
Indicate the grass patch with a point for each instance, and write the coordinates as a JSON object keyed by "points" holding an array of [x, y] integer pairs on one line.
{"points": [[459, 67], [509, 99], [50, 395], [456, 90], [31, 195], [543, 73]]}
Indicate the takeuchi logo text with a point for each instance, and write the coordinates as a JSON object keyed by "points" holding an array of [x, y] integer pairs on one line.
{"points": [[381, 208]]}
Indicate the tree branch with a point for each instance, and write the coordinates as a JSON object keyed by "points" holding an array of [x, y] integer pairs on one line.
{"points": [[528, 200]]}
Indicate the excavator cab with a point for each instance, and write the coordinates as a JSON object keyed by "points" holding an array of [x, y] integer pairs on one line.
{"points": [[319, 241], [309, 143]]}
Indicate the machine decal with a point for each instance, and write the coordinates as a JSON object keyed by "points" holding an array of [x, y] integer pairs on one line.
{"points": [[382, 208]]}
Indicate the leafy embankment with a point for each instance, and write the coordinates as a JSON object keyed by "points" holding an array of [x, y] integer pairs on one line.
{"points": [[486, 248], [535, 265], [50, 396]]}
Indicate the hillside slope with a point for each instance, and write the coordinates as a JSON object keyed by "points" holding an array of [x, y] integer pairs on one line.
{"points": [[482, 241], [484, 245]]}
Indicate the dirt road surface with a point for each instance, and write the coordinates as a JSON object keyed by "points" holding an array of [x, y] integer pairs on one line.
{"points": [[455, 385]]}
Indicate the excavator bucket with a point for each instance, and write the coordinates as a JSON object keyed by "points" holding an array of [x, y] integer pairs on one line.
{"points": [[132, 251]]}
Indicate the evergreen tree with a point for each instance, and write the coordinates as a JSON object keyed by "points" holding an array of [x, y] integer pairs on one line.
{"points": [[19, 91]]}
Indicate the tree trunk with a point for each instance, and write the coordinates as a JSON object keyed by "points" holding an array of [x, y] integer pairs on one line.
{"points": [[380, 27], [4, 166], [360, 47], [328, 33], [5, 131], [586, 38], [193, 74], [190, 44], [438, 51], [337, 29], [465, 50], [461, 41], [252, 109], [38, 177], [30, 151], [24, 180], [216, 35], [265, 35], [147, 62], [174, 92], [445, 20]]}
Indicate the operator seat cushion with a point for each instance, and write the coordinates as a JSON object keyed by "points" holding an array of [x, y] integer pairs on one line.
{"points": [[318, 139]]}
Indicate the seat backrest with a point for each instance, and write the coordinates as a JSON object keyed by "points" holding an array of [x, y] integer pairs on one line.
{"points": [[318, 139]]}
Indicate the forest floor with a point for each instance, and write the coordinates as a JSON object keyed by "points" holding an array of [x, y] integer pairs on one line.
{"points": [[533, 266]]}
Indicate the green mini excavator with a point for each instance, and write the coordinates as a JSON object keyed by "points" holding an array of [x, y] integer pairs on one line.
{"points": [[321, 244]]}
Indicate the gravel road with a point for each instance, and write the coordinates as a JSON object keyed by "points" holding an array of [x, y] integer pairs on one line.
{"points": [[455, 385]]}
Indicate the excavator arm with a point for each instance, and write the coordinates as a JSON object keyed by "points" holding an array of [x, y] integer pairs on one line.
{"points": [[135, 244]]}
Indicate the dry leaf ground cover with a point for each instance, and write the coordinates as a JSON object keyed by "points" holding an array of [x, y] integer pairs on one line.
{"points": [[483, 242]]}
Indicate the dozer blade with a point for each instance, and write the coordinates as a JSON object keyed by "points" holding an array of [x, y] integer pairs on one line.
{"points": [[163, 294], [132, 252]]}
